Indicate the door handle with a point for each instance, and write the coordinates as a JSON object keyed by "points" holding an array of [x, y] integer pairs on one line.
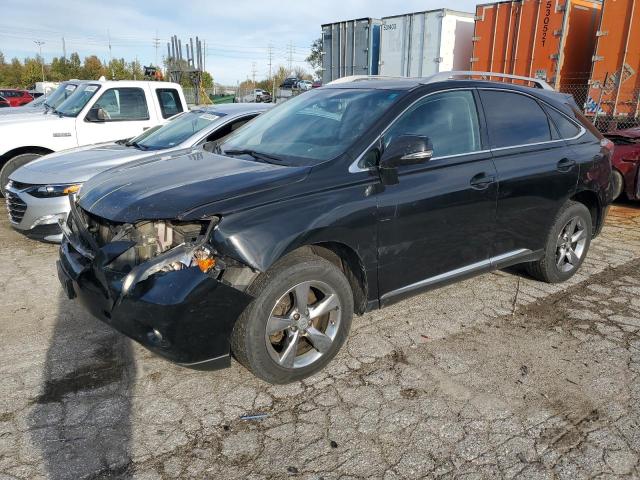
{"points": [[565, 165], [482, 181]]}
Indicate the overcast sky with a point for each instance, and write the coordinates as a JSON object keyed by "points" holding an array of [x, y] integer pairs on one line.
{"points": [[237, 32]]}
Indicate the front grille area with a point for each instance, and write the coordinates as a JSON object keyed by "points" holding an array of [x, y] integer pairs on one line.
{"points": [[15, 206]]}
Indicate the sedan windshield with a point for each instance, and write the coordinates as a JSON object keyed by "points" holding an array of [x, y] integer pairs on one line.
{"points": [[315, 126], [73, 105], [177, 130]]}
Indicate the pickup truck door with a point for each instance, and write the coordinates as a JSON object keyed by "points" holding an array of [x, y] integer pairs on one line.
{"points": [[119, 112]]}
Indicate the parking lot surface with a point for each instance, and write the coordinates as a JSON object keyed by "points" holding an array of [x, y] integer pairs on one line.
{"points": [[498, 376]]}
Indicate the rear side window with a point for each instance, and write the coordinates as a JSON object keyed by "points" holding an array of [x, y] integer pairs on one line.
{"points": [[448, 119], [566, 127], [169, 100], [514, 119], [123, 104]]}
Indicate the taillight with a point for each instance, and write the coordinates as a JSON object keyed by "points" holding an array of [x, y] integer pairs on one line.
{"points": [[608, 144]]}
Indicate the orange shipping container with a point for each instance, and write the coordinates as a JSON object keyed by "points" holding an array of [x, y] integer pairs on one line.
{"points": [[615, 79], [549, 39]]}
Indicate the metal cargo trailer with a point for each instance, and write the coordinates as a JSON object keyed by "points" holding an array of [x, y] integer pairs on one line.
{"points": [[350, 48], [424, 43], [549, 39], [615, 78]]}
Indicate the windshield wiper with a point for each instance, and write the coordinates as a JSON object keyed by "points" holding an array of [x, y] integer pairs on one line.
{"points": [[260, 156], [136, 145]]}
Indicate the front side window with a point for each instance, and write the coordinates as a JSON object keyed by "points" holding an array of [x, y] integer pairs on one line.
{"points": [[514, 119], [73, 105], [123, 104], [169, 100], [448, 119], [313, 127]]}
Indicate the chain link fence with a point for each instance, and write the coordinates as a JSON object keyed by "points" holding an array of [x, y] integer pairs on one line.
{"points": [[610, 104]]}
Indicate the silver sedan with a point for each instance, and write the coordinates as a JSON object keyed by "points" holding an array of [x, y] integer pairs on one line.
{"points": [[37, 193]]}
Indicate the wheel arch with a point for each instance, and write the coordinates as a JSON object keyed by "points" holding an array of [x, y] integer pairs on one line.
{"points": [[591, 200], [22, 150]]}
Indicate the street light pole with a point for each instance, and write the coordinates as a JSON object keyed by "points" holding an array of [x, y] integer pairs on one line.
{"points": [[39, 43]]}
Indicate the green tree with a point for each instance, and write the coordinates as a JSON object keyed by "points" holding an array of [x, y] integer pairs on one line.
{"points": [[31, 72], [13, 77], [118, 70], [92, 68], [74, 67], [3, 69], [136, 72], [58, 69], [315, 57], [207, 80]]}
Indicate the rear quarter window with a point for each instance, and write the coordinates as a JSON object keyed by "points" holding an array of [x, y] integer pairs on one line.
{"points": [[170, 103], [566, 127]]}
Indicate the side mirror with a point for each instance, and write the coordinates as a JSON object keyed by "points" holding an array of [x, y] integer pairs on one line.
{"points": [[96, 115], [406, 150]]}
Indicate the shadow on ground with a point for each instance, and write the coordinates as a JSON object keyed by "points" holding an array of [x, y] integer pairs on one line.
{"points": [[81, 422]]}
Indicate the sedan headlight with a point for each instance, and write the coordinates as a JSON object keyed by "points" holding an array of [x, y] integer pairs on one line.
{"points": [[48, 191]]}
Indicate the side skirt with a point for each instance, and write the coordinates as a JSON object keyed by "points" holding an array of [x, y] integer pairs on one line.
{"points": [[494, 263]]}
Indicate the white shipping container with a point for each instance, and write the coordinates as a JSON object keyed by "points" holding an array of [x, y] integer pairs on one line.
{"points": [[424, 43]]}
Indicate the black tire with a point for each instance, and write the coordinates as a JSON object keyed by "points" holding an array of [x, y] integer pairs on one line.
{"points": [[12, 165], [248, 343], [546, 269], [617, 184]]}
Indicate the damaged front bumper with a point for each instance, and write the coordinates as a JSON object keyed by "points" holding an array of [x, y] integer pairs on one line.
{"points": [[185, 316]]}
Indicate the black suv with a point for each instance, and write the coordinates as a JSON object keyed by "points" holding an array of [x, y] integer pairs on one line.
{"points": [[342, 200]]}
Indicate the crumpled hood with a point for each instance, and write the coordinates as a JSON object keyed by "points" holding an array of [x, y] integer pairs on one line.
{"points": [[165, 187], [631, 133], [77, 165]]}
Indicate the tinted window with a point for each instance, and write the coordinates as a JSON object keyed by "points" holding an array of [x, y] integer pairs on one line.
{"points": [[123, 104], [449, 120], [514, 119], [169, 99], [177, 130], [566, 127]]}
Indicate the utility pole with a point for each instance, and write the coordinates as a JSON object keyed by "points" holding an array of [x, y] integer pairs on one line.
{"points": [[253, 73], [39, 43], [290, 57], [110, 56], [156, 44], [64, 50], [273, 91]]}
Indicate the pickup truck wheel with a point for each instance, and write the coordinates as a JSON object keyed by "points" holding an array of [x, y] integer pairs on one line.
{"points": [[299, 319], [617, 184], [12, 165], [567, 245]]}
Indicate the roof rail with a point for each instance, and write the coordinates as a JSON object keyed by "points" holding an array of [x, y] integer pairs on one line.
{"points": [[439, 77], [358, 78]]}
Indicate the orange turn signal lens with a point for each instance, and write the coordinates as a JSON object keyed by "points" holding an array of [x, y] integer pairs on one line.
{"points": [[71, 189], [206, 264]]}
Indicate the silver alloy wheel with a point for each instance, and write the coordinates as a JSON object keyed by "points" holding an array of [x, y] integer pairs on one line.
{"points": [[303, 324], [570, 245]]}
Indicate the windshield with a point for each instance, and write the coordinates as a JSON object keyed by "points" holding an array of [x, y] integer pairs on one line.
{"points": [[313, 127], [72, 106], [59, 95], [177, 130]]}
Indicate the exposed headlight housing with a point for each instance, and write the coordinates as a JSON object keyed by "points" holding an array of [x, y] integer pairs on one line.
{"points": [[49, 191]]}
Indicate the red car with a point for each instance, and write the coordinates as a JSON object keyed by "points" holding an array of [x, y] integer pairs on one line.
{"points": [[16, 98], [626, 162], [4, 102]]}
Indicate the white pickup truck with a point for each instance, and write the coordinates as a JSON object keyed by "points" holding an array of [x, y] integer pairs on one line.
{"points": [[97, 111]]}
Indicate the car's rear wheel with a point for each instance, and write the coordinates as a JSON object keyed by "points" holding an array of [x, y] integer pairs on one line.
{"points": [[567, 245], [617, 184], [299, 319], [12, 165]]}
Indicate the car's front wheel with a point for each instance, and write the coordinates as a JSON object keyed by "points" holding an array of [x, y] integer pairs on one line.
{"points": [[299, 319], [567, 245], [617, 184]]}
